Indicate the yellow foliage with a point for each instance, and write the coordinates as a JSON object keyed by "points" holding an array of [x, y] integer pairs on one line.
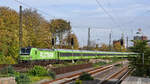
{"points": [[67, 41], [119, 48], [104, 47]]}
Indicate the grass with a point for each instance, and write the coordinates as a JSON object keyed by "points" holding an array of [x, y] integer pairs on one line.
{"points": [[119, 65], [0, 52], [22, 77], [99, 64], [35, 79], [113, 60], [4, 75], [68, 64]]}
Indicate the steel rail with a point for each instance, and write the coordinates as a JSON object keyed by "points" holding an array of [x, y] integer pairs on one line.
{"points": [[120, 75], [69, 78]]}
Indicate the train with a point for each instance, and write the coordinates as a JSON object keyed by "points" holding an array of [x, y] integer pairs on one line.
{"points": [[37, 54]]}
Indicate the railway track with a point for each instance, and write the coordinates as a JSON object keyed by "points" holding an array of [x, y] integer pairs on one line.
{"points": [[117, 77], [67, 79]]}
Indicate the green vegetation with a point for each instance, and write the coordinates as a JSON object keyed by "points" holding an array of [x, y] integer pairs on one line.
{"points": [[78, 82], [111, 61], [38, 71], [116, 60], [22, 79], [85, 76], [141, 63], [35, 74], [8, 71], [52, 74], [35, 79], [99, 64], [68, 64], [119, 65], [81, 62]]}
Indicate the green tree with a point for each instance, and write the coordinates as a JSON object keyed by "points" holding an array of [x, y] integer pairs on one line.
{"points": [[140, 63]]}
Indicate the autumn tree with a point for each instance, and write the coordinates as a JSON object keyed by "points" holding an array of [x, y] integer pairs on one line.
{"points": [[35, 33], [36, 30], [59, 27], [67, 41], [118, 47], [8, 35], [104, 47]]}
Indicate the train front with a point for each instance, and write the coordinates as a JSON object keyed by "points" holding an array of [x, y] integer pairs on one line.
{"points": [[25, 54]]}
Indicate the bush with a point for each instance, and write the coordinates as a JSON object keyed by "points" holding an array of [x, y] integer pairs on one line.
{"points": [[22, 79], [38, 71], [8, 70], [4, 71], [11, 70], [52, 74], [85, 76], [78, 82]]}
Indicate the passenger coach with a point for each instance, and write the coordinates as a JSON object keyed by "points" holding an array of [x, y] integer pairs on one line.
{"points": [[36, 54]]}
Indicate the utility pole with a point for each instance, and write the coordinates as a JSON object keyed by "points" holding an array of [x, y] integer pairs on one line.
{"points": [[53, 41], [20, 28], [122, 42], [89, 43], [127, 43], [69, 38], [143, 58], [110, 41]]}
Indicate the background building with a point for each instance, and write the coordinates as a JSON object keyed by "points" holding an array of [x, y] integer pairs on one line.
{"points": [[140, 36]]}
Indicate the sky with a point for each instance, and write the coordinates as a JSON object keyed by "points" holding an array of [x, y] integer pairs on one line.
{"points": [[123, 16]]}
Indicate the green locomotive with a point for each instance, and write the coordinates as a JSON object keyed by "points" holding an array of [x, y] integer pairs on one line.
{"points": [[36, 54]]}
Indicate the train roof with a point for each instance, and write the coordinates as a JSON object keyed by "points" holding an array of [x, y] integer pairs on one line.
{"points": [[70, 50], [93, 51], [45, 49]]}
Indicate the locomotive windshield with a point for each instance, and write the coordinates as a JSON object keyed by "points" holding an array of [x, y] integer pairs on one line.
{"points": [[25, 51]]}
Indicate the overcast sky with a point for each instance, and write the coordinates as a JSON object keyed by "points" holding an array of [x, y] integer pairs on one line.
{"points": [[128, 16]]}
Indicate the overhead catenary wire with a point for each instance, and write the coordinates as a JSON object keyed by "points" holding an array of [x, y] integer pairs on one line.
{"points": [[109, 15], [86, 26], [99, 4], [43, 12], [49, 15]]}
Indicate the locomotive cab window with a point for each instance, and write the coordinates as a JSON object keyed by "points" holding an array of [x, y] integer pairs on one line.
{"points": [[25, 51]]}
